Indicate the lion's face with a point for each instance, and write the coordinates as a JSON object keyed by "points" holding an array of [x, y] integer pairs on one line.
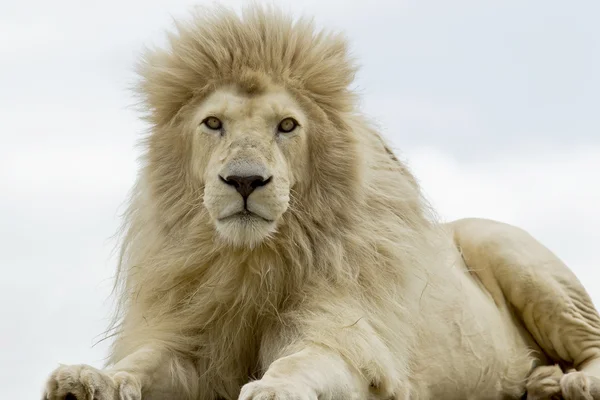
{"points": [[248, 151]]}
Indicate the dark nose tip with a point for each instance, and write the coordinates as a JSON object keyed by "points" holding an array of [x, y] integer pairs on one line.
{"points": [[245, 185]]}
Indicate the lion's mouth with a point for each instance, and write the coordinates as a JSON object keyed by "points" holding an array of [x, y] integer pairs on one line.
{"points": [[245, 216]]}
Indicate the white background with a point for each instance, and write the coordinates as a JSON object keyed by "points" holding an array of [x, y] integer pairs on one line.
{"points": [[495, 105]]}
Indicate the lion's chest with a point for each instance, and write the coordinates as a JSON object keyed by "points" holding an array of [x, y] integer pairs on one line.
{"points": [[228, 353]]}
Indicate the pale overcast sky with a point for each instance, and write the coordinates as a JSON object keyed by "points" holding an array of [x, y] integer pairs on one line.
{"points": [[495, 105]]}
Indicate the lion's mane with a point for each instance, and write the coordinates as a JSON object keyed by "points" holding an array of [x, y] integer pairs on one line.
{"points": [[359, 230]]}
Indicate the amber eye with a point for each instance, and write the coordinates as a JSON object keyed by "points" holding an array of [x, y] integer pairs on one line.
{"points": [[213, 123], [287, 125]]}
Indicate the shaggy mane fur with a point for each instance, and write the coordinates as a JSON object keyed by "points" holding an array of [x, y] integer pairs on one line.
{"points": [[218, 47], [349, 233]]}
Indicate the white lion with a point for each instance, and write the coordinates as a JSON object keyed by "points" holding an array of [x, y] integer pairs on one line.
{"points": [[275, 248]]}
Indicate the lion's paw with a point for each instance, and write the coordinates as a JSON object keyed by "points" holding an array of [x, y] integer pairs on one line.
{"points": [[276, 390], [550, 383], [544, 383], [82, 382], [576, 386]]}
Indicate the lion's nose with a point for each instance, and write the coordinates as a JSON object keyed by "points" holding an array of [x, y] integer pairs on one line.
{"points": [[245, 185]]}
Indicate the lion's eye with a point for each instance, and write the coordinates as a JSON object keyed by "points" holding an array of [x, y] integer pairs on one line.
{"points": [[213, 123], [287, 125]]}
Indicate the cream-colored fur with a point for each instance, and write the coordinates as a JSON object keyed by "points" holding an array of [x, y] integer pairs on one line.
{"points": [[333, 280]]}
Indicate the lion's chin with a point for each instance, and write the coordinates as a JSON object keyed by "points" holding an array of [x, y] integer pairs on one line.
{"points": [[245, 229]]}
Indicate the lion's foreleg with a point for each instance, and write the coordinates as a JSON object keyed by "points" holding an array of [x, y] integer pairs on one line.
{"points": [[311, 373], [151, 371], [331, 350]]}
